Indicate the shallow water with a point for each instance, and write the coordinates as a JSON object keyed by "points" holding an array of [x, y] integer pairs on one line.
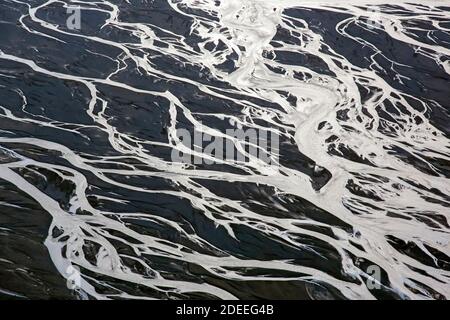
{"points": [[356, 92]]}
